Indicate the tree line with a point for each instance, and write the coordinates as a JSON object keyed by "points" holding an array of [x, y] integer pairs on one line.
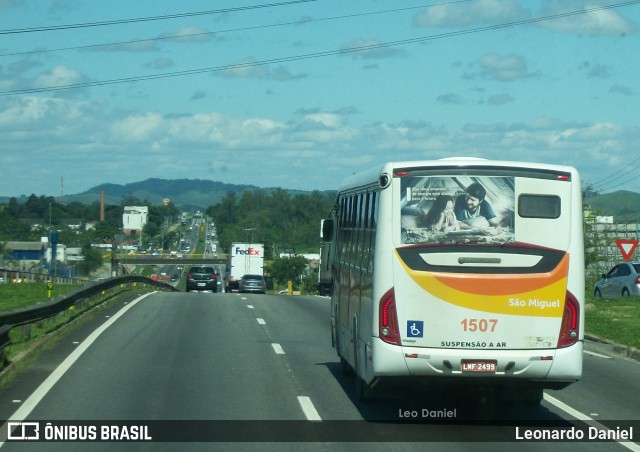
{"points": [[39, 215], [280, 220], [35, 218], [277, 218]]}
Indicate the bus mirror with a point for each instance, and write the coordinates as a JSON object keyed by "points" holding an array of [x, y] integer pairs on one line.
{"points": [[326, 230]]}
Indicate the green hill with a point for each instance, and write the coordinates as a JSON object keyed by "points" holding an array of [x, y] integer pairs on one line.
{"points": [[623, 205], [187, 194]]}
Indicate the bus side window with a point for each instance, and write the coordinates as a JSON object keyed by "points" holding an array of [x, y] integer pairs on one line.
{"points": [[539, 206]]}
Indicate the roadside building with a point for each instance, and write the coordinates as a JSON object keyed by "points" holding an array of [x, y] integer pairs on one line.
{"points": [[26, 252], [134, 219]]}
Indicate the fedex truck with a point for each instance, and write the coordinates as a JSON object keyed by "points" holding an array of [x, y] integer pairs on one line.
{"points": [[244, 259]]}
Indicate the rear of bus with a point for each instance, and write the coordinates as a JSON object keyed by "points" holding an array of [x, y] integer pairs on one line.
{"points": [[496, 300]]}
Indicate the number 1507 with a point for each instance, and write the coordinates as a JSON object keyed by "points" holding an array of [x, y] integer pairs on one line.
{"points": [[482, 325]]}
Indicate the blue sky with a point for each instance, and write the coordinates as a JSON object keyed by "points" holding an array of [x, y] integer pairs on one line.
{"points": [[300, 94]]}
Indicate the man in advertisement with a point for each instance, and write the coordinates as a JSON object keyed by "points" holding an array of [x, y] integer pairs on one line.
{"points": [[473, 211]]}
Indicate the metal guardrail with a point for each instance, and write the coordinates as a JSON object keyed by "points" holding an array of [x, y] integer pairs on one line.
{"points": [[9, 275], [48, 309], [158, 260], [4, 342]]}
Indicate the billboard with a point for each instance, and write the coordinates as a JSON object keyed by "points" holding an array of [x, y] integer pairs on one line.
{"points": [[457, 209]]}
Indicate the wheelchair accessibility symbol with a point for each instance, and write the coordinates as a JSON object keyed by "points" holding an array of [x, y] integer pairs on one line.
{"points": [[415, 328]]}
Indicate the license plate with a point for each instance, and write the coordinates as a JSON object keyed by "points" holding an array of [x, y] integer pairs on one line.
{"points": [[201, 284], [479, 365]]}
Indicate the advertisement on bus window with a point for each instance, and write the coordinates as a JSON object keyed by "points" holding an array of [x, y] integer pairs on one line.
{"points": [[457, 209]]}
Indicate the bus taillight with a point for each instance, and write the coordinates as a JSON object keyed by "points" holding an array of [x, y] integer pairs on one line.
{"points": [[388, 319], [570, 322]]}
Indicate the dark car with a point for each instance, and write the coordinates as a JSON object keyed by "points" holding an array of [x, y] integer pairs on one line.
{"points": [[202, 278], [623, 280], [253, 283]]}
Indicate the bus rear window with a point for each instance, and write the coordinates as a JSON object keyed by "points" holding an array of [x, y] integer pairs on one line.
{"points": [[539, 206]]}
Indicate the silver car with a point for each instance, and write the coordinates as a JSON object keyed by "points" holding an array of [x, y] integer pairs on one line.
{"points": [[253, 283], [623, 280]]}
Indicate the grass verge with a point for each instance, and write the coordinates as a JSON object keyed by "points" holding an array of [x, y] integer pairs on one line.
{"points": [[29, 341], [18, 296], [615, 320]]}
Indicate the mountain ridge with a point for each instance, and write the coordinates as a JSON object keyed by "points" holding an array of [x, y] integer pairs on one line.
{"points": [[187, 194], [199, 194]]}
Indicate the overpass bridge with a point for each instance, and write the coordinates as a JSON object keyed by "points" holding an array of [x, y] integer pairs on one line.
{"points": [[167, 260]]}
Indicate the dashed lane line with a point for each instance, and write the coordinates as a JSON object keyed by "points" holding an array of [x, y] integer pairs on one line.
{"points": [[305, 402], [308, 409]]}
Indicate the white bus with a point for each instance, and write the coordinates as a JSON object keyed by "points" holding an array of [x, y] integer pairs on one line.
{"points": [[459, 271]]}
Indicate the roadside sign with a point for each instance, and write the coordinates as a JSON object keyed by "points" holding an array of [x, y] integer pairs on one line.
{"points": [[627, 247]]}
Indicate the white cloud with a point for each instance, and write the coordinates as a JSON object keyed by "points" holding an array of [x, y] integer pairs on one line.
{"points": [[492, 66], [464, 14], [596, 22], [83, 137], [188, 34], [138, 129], [588, 20], [327, 119], [252, 68], [34, 115], [58, 76]]}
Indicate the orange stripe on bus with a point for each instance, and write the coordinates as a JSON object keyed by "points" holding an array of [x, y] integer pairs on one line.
{"points": [[501, 284]]}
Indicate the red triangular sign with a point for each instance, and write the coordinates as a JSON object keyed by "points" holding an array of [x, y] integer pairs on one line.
{"points": [[627, 247]]}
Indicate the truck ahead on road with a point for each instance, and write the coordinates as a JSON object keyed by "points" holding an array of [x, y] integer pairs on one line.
{"points": [[325, 270], [244, 259]]}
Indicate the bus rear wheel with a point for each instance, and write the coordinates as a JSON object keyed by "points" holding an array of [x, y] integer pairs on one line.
{"points": [[346, 368], [364, 392]]}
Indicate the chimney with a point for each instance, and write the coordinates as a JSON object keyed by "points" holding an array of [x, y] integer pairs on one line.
{"points": [[102, 204]]}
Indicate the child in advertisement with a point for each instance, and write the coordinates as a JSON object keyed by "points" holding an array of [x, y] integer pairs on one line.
{"points": [[441, 217]]}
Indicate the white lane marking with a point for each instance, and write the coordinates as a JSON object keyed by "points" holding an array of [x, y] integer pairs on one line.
{"points": [[597, 354], [583, 417], [261, 321], [42, 390], [308, 409], [278, 349]]}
